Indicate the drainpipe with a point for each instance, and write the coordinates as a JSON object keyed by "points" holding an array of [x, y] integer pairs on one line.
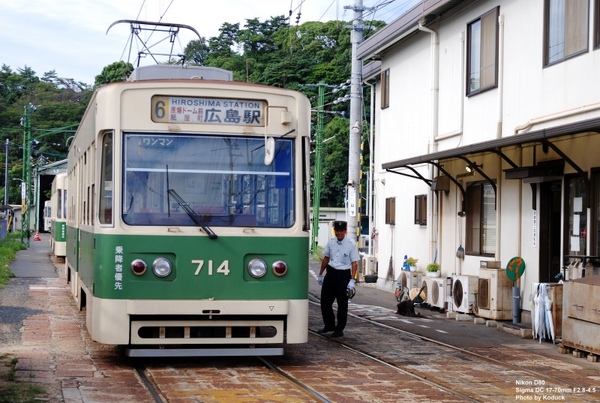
{"points": [[434, 236], [461, 220], [370, 197], [500, 76], [499, 131]]}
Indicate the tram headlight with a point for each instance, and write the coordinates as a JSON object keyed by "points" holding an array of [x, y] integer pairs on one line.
{"points": [[162, 267], [257, 268], [279, 268], [138, 267]]}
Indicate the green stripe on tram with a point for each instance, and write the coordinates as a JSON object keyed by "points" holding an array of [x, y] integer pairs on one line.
{"points": [[59, 232], [203, 268]]}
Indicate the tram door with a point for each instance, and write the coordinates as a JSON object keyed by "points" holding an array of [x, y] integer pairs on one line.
{"points": [[549, 222]]}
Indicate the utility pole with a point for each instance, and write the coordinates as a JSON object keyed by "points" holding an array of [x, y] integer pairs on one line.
{"points": [[6, 172], [26, 183], [317, 182], [356, 105]]}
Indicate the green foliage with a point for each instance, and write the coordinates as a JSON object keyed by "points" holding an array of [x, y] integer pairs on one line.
{"points": [[270, 52], [317, 254], [335, 162], [8, 248], [60, 104], [433, 267], [115, 72], [11, 391], [196, 52], [274, 53]]}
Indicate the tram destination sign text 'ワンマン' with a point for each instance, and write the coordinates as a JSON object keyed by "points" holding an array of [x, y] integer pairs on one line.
{"points": [[169, 109]]}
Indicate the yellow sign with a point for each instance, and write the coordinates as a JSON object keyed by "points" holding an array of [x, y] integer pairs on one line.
{"points": [[219, 111]]}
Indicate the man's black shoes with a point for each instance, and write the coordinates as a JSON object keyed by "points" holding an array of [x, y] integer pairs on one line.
{"points": [[336, 333]]}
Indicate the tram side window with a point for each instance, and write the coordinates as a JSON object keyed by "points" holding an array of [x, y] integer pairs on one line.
{"points": [[106, 181], [64, 207], [60, 203]]}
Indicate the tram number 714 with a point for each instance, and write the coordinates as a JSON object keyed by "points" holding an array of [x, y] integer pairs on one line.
{"points": [[222, 269]]}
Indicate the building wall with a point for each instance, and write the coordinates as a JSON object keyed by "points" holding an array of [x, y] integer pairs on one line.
{"points": [[529, 97]]}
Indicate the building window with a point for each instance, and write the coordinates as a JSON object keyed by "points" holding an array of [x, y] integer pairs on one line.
{"points": [[565, 29], [390, 210], [481, 219], [385, 89], [421, 209], [482, 53], [575, 215]]}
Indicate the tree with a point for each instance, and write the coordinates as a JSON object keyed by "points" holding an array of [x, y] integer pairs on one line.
{"points": [[296, 57], [60, 102], [335, 162], [118, 71], [269, 52], [196, 52]]}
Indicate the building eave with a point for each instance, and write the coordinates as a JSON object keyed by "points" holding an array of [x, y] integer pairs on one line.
{"points": [[592, 125], [404, 26]]}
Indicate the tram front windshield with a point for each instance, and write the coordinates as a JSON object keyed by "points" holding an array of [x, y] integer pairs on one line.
{"points": [[221, 180]]}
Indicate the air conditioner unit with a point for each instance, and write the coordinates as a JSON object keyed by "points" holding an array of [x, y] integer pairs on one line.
{"points": [[410, 279], [494, 294], [436, 292], [464, 288], [448, 293], [425, 284], [428, 282]]}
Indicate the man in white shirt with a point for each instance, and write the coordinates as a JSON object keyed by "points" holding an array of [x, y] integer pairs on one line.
{"points": [[340, 259]]}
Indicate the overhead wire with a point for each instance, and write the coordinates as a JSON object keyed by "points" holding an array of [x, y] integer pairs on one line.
{"points": [[327, 9]]}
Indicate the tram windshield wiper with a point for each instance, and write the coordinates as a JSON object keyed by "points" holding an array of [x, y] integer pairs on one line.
{"points": [[192, 214]]}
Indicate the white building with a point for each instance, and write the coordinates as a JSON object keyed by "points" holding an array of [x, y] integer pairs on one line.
{"points": [[511, 89]]}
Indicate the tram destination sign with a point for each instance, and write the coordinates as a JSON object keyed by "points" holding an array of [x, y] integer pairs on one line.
{"points": [[219, 111]]}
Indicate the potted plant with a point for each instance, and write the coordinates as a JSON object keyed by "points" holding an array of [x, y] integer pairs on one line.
{"points": [[412, 263], [433, 270]]}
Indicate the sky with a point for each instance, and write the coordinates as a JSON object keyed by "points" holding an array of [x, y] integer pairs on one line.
{"points": [[72, 37]]}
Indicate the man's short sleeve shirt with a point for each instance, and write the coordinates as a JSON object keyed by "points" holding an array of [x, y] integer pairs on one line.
{"points": [[341, 254]]}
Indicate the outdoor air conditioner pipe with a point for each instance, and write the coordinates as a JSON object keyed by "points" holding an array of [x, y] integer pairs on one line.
{"points": [[554, 116]]}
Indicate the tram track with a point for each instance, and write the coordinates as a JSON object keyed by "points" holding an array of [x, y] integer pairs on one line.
{"points": [[538, 374], [294, 381], [395, 364], [150, 386], [449, 380]]}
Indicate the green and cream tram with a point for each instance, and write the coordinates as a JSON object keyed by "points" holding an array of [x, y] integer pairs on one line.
{"points": [[188, 218]]}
